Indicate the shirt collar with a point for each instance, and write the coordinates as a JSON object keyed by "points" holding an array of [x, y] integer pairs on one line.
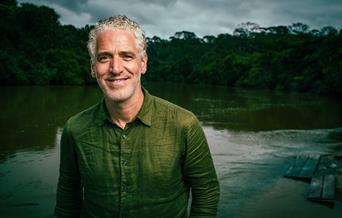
{"points": [[146, 111], [101, 115], [144, 115]]}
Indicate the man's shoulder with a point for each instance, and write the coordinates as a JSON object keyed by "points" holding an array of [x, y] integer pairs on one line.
{"points": [[84, 118], [173, 111]]}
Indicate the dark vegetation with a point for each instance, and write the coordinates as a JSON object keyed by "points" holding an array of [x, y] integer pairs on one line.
{"points": [[35, 49]]}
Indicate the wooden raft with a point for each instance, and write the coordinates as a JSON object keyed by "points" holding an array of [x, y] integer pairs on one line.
{"points": [[315, 169], [322, 188], [304, 167]]}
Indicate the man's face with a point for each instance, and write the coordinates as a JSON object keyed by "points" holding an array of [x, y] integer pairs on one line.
{"points": [[118, 65]]}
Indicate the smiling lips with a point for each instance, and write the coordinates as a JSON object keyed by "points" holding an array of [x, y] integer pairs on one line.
{"points": [[113, 81]]}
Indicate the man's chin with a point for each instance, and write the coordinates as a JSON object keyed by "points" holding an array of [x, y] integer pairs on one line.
{"points": [[117, 95]]}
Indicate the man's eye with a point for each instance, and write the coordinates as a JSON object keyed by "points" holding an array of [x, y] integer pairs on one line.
{"points": [[102, 58], [127, 57]]}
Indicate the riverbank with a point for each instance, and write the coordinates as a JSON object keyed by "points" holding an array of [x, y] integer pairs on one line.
{"points": [[287, 199]]}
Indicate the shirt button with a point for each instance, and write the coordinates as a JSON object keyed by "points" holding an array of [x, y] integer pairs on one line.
{"points": [[124, 136], [124, 162]]}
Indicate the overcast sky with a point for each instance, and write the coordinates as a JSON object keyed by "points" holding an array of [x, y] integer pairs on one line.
{"points": [[204, 17]]}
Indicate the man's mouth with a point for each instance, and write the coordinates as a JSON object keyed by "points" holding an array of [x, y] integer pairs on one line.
{"points": [[117, 81]]}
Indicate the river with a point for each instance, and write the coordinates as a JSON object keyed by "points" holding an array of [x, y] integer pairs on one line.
{"points": [[252, 136]]}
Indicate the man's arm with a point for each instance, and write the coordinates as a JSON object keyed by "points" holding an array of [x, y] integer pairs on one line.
{"points": [[200, 172], [69, 191]]}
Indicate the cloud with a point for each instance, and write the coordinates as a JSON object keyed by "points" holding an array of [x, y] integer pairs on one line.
{"points": [[72, 5], [70, 17], [163, 3], [316, 13], [204, 17]]}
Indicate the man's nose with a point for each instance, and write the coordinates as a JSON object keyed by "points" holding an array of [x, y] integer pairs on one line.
{"points": [[116, 66]]}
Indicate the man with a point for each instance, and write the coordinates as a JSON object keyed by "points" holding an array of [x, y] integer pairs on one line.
{"points": [[132, 154]]}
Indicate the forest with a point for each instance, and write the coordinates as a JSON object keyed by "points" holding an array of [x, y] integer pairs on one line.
{"points": [[36, 49]]}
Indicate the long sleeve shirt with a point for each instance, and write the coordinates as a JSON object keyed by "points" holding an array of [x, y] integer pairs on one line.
{"points": [[146, 169]]}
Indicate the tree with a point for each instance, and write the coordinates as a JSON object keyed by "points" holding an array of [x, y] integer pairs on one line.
{"points": [[328, 31], [299, 28], [36, 51]]}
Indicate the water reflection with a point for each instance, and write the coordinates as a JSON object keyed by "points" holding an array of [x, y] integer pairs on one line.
{"points": [[243, 110], [30, 116], [28, 181], [251, 134]]}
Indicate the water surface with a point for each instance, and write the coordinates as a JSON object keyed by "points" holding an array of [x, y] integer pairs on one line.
{"points": [[252, 136]]}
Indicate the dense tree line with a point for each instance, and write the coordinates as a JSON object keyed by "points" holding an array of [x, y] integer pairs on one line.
{"points": [[282, 57], [36, 49]]}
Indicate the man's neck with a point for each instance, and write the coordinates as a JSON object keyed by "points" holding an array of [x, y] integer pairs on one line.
{"points": [[125, 112]]}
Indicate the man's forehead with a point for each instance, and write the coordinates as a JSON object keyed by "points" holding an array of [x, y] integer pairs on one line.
{"points": [[116, 37]]}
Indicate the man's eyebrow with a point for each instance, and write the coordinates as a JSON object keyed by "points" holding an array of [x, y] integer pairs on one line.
{"points": [[103, 53], [127, 53]]}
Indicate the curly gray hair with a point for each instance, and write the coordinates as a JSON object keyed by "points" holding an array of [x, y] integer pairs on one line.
{"points": [[116, 22]]}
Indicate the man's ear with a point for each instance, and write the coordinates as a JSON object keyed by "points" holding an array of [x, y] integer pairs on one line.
{"points": [[144, 64]]}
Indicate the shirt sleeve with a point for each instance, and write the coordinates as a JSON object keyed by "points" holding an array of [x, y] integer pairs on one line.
{"points": [[69, 191], [199, 172]]}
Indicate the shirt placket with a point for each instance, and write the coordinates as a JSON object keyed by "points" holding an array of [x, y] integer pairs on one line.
{"points": [[125, 150]]}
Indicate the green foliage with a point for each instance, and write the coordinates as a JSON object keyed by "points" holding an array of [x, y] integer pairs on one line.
{"points": [[35, 49], [282, 57]]}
